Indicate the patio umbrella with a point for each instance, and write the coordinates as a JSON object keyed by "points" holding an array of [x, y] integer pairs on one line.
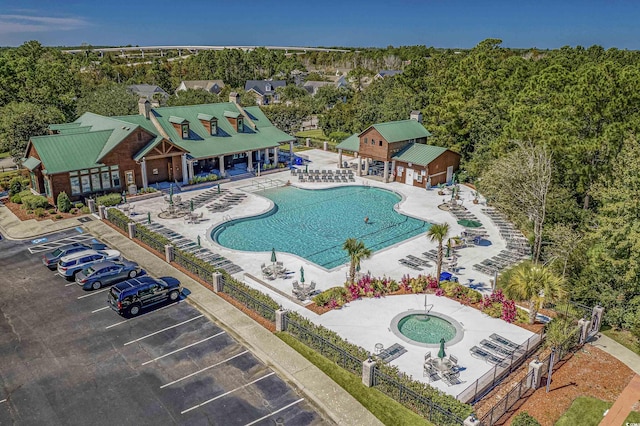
{"points": [[124, 197], [467, 223], [302, 274], [191, 205], [171, 194], [441, 353], [149, 217], [198, 240], [273, 258]]}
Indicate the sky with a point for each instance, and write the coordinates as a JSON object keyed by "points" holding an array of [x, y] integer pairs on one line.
{"points": [[542, 24]]}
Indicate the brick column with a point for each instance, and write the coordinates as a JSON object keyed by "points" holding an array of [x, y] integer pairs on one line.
{"points": [[217, 282], [168, 253], [368, 365], [132, 229]]}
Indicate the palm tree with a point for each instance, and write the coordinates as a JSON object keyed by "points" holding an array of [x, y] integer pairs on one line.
{"points": [[438, 233], [534, 283], [357, 251]]}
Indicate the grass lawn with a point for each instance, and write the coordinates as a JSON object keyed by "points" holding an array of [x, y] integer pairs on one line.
{"points": [[623, 337], [384, 408], [313, 134], [634, 417], [4, 154], [584, 411]]}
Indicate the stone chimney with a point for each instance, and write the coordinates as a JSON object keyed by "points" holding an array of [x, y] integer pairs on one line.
{"points": [[235, 98], [144, 107], [416, 115]]}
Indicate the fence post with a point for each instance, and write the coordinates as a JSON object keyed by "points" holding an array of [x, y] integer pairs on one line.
{"points": [[132, 229], [92, 205], [280, 322], [535, 366], [217, 284], [168, 253], [596, 319], [102, 212], [368, 367], [584, 325], [471, 421]]}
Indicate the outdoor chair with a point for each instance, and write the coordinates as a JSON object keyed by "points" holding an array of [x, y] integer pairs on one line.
{"points": [[427, 356], [496, 348], [454, 360], [485, 355], [504, 341]]}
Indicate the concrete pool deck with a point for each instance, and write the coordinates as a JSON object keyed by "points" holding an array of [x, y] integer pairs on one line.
{"points": [[364, 322]]}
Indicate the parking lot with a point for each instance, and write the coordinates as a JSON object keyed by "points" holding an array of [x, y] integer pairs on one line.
{"points": [[67, 358]]}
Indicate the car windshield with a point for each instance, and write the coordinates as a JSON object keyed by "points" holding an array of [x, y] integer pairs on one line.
{"points": [[89, 271], [114, 292], [57, 252]]}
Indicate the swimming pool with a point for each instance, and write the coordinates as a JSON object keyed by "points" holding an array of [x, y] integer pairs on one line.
{"points": [[314, 224]]}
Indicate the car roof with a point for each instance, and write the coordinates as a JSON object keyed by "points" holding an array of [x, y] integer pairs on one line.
{"points": [[134, 282], [78, 255]]}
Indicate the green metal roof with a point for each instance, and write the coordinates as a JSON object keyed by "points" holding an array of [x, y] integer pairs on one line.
{"points": [[352, 143], [205, 117], [61, 126], [404, 130], [419, 153], [119, 130], [139, 120], [148, 147], [64, 153], [232, 114], [227, 141], [31, 163], [177, 120]]}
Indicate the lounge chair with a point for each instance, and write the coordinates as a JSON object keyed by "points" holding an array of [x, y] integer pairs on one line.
{"points": [[485, 355], [427, 356], [454, 360], [496, 348], [504, 341]]}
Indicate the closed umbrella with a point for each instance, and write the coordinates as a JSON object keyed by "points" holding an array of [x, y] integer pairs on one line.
{"points": [[441, 353], [171, 194], [191, 205], [273, 258], [124, 197], [302, 275]]}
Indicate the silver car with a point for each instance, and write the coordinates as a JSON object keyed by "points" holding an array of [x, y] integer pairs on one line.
{"points": [[69, 266]]}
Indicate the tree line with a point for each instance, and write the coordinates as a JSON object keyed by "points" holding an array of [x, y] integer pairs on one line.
{"points": [[580, 107]]}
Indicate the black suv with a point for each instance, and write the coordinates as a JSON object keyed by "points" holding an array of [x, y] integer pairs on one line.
{"points": [[128, 297]]}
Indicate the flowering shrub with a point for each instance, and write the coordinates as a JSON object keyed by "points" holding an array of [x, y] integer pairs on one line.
{"points": [[509, 311], [498, 306], [439, 292]]}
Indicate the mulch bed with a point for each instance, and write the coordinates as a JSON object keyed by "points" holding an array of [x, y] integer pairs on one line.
{"points": [[21, 213]]}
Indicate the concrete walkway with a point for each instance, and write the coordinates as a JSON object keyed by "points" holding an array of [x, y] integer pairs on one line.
{"points": [[623, 405], [327, 396], [628, 357]]}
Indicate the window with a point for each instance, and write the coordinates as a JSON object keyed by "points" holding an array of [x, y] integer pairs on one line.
{"points": [[214, 127], [365, 141], [34, 184], [380, 143], [47, 187], [240, 125], [419, 178], [75, 184], [86, 183], [106, 180], [267, 87], [185, 131], [115, 178], [95, 182]]}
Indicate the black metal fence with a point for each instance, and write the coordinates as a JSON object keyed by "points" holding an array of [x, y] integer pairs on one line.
{"points": [[520, 390], [325, 347], [258, 306], [488, 381], [413, 400], [150, 238], [118, 218], [202, 271]]}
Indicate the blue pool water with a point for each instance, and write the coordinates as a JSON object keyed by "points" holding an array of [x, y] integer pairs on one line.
{"points": [[314, 224]]}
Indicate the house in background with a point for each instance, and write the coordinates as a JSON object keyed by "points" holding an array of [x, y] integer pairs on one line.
{"points": [[264, 90], [96, 154], [155, 94], [397, 151], [211, 86], [387, 73]]}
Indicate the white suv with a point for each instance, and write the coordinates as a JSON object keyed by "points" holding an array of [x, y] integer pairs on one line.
{"points": [[69, 266]]}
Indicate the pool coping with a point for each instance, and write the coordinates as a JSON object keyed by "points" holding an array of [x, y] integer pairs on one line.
{"points": [[272, 206], [396, 319]]}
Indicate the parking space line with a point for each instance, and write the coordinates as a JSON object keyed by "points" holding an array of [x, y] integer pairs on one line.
{"points": [[127, 320], [70, 284], [94, 292], [164, 329], [101, 309], [226, 393], [52, 245], [183, 348], [204, 369], [4, 400], [275, 412]]}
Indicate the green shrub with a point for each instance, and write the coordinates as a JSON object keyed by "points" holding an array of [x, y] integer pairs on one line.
{"points": [[58, 216], [338, 136], [63, 202], [32, 202], [85, 210], [73, 211], [78, 205], [339, 294], [524, 419], [109, 200], [39, 212], [15, 185], [52, 211], [16, 199]]}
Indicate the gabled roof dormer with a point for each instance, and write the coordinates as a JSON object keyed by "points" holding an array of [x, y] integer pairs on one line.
{"points": [[209, 122], [236, 119], [181, 125]]}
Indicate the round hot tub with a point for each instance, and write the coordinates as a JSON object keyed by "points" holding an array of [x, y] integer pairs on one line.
{"points": [[426, 328]]}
